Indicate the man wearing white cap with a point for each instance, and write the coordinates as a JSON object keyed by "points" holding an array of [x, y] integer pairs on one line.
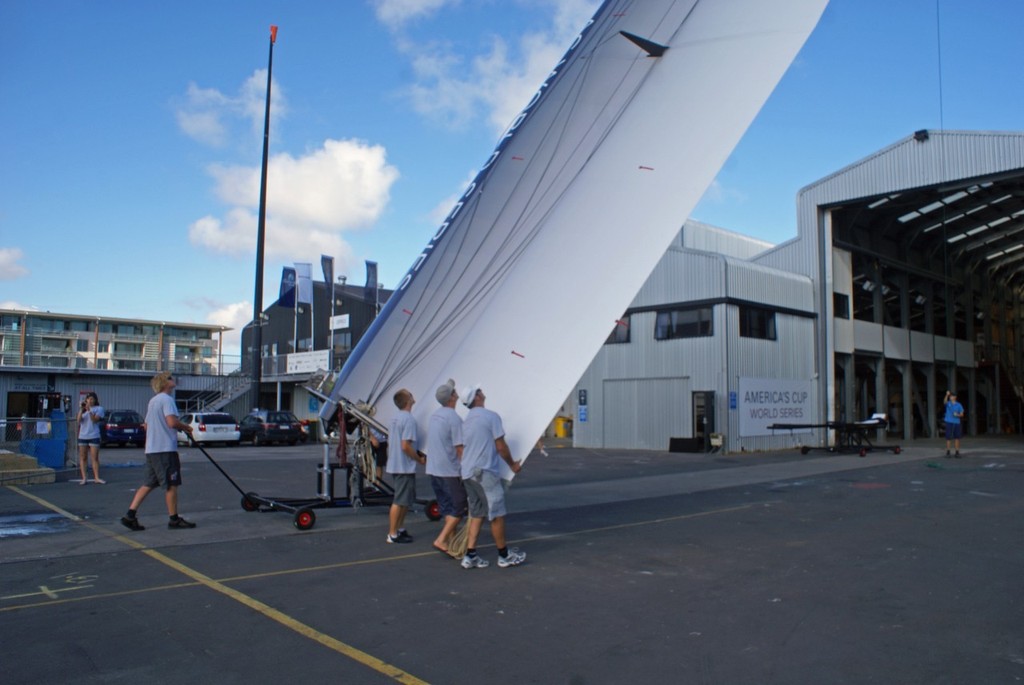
{"points": [[483, 445], [444, 450]]}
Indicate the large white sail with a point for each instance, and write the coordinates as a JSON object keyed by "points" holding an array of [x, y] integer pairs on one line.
{"points": [[523, 282]]}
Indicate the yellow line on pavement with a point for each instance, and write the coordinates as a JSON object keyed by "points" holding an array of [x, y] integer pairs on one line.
{"points": [[280, 617]]}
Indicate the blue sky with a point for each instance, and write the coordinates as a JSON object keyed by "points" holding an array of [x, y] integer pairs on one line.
{"points": [[132, 131]]}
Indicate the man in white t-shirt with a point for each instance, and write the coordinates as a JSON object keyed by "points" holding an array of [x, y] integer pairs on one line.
{"points": [[444, 450], [483, 449], [403, 456], [163, 467]]}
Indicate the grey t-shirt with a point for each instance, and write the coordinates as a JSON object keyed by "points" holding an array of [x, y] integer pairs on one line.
{"points": [[479, 431], [159, 437], [444, 433]]}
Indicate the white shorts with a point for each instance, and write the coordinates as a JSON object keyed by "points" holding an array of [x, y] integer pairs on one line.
{"points": [[486, 494]]}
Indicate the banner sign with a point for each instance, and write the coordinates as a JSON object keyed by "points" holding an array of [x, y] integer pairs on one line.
{"points": [[308, 362], [764, 401]]}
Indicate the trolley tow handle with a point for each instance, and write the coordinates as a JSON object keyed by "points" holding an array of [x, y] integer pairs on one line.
{"points": [[193, 443]]}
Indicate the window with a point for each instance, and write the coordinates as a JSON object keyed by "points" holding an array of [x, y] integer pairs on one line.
{"points": [[683, 323], [82, 345], [756, 322], [841, 305], [103, 346], [620, 333]]}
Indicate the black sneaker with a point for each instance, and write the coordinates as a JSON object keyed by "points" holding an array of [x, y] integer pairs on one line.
{"points": [[132, 523], [180, 523], [404, 536], [398, 539], [957, 455], [947, 454]]}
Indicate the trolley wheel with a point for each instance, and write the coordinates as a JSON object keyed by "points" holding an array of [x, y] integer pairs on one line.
{"points": [[805, 449], [863, 452], [304, 519], [896, 450], [433, 510], [248, 503]]}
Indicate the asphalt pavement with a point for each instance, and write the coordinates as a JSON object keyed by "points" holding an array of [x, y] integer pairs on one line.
{"points": [[641, 567]]}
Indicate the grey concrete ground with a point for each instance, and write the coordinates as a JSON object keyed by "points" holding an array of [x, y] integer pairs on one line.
{"points": [[642, 567]]}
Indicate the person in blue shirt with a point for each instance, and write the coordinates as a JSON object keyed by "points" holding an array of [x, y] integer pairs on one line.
{"points": [[953, 419]]}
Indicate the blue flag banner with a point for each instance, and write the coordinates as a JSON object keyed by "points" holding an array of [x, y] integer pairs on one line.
{"points": [[304, 282], [370, 292], [286, 298], [327, 264]]}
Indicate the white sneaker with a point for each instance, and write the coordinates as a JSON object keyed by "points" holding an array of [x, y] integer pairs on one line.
{"points": [[474, 562], [514, 558]]}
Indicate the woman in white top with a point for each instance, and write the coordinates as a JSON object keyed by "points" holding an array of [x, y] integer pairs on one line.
{"points": [[90, 416]]}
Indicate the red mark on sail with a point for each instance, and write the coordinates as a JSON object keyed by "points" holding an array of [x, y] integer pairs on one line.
{"points": [[406, 311], [521, 356], [622, 323], [646, 168], [517, 158]]}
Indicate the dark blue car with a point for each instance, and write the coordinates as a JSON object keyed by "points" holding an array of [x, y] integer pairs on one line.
{"points": [[123, 427]]}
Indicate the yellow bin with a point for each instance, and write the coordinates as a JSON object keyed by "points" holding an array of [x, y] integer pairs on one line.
{"points": [[563, 427]]}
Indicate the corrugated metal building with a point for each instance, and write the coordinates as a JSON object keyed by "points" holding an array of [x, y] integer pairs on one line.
{"points": [[905, 279]]}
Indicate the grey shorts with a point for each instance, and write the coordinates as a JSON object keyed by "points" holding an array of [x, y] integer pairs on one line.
{"points": [[405, 489], [163, 469], [486, 494]]}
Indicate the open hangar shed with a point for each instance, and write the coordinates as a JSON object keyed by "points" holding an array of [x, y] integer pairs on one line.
{"points": [[905, 279]]}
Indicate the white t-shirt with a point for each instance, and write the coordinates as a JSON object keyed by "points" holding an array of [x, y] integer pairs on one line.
{"points": [[479, 431], [89, 428], [444, 433], [403, 427], [160, 437]]}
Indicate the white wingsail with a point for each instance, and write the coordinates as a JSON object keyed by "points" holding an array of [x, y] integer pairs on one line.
{"points": [[520, 286]]}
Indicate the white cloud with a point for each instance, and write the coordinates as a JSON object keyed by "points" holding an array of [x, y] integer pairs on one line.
{"points": [[235, 316], [311, 201], [209, 116], [10, 270], [13, 304], [395, 13], [497, 83]]}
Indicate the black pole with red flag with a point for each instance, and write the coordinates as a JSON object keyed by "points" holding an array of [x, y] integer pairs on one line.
{"points": [[257, 305]]}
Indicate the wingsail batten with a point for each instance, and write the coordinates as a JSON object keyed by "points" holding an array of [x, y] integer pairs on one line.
{"points": [[575, 206], [649, 46]]}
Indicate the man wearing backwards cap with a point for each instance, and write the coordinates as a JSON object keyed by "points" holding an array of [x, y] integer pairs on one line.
{"points": [[954, 427], [483, 445], [444, 450]]}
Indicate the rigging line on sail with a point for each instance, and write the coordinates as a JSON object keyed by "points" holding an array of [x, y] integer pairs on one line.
{"points": [[513, 245], [513, 250], [426, 298], [516, 242]]}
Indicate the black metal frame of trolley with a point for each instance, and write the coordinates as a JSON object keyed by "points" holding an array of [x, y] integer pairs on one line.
{"points": [[850, 436], [302, 509]]}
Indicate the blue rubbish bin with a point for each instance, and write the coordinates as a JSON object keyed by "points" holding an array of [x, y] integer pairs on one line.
{"points": [[49, 453]]}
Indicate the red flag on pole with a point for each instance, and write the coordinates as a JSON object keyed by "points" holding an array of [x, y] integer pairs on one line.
{"points": [[273, 34]]}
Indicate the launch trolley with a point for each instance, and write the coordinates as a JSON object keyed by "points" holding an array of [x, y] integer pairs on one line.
{"points": [[361, 489]]}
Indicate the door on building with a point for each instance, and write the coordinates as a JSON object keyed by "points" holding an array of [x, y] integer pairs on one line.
{"points": [[703, 417]]}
